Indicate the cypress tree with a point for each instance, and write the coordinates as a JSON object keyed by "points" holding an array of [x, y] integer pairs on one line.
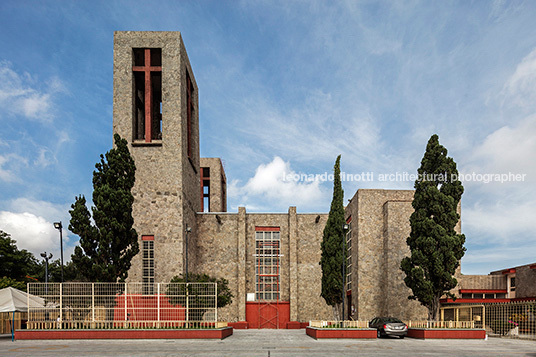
{"points": [[436, 248], [332, 248], [107, 247]]}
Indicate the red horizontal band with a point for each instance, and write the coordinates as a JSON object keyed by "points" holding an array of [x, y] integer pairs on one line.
{"points": [[483, 291], [147, 237], [267, 229], [472, 301]]}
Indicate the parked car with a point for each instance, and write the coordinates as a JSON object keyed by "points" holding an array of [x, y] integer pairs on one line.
{"points": [[389, 326]]}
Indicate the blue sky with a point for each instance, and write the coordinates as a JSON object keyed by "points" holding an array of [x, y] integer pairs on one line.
{"points": [[285, 86]]}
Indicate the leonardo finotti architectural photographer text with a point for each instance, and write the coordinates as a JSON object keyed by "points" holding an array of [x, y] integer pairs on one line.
{"points": [[407, 177]]}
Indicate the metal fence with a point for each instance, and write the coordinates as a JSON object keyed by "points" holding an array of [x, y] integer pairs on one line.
{"points": [[123, 305], [511, 319], [471, 316], [338, 324]]}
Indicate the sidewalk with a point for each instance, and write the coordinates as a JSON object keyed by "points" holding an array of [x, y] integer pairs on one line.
{"points": [[270, 343]]}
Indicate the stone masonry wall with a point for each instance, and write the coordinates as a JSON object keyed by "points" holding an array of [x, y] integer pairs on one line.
{"points": [[395, 296], [311, 306], [480, 282], [370, 243], [224, 253], [163, 205], [218, 186], [218, 250], [525, 282]]}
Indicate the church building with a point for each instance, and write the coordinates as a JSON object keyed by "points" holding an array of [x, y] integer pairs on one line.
{"points": [[271, 260]]}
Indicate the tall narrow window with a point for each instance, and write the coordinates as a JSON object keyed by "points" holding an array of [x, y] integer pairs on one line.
{"points": [[267, 260], [349, 256], [147, 96], [223, 194], [205, 189], [190, 108], [148, 265]]}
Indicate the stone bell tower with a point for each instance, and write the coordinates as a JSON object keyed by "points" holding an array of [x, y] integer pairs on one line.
{"points": [[155, 108]]}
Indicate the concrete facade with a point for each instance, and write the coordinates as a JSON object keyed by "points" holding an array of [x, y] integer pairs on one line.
{"points": [[167, 180], [217, 185], [380, 226], [226, 248]]}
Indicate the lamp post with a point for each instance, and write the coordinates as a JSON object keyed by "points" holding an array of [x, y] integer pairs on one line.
{"points": [[44, 255], [344, 230], [59, 227], [188, 231]]}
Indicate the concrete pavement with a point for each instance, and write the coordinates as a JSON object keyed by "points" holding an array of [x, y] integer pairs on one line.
{"points": [[272, 343]]}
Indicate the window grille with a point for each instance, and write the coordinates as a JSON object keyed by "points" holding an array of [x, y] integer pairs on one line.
{"points": [[349, 257], [148, 266], [267, 261]]}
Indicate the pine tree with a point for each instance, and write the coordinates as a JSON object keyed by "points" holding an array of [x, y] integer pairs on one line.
{"points": [[332, 246], [107, 248], [436, 248]]}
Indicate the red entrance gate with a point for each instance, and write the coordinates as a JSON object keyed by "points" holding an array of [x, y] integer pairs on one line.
{"points": [[268, 314]]}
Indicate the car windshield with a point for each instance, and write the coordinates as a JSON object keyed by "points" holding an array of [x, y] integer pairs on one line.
{"points": [[392, 319]]}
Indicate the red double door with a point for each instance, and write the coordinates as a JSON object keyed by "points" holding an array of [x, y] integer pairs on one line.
{"points": [[272, 315]]}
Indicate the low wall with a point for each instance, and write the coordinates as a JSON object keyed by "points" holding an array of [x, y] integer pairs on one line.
{"points": [[317, 333], [439, 333], [220, 333]]}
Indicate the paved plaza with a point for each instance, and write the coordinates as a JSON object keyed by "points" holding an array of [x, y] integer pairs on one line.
{"points": [[271, 343]]}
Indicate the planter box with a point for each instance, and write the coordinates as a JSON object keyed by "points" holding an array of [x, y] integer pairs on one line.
{"points": [[220, 334], [317, 333], [240, 325], [293, 325], [440, 333]]}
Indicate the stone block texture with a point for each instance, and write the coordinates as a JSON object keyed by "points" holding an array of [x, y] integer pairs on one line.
{"points": [[166, 192], [218, 184], [226, 246]]}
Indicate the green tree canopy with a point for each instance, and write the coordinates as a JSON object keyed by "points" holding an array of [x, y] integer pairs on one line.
{"points": [[332, 245], [177, 293], [108, 246], [15, 264], [436, 248]]}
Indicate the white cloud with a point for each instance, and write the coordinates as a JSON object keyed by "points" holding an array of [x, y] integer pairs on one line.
{"points": [[52, 212], [511, 148], [19, 95], [501, 222], [520, 89], [34, 233], [271, 183], [31, 223], [8, 174]]}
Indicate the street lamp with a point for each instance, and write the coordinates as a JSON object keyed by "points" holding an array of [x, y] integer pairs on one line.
{"points": [[188, 231], [344, 230], [59, 227]]}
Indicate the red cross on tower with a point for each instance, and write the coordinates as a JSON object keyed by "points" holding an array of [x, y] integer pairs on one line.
{"points": [[148, 69]]}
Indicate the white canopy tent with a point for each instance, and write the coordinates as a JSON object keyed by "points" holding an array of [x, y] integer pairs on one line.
{"points": [[14, 300]]}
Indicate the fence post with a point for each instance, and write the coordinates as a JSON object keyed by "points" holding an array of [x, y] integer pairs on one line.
{"points": [[61, 306], [92, 302], [216, 303], [484, 316], [187, 308], [158, 301], [126, 301], [28, 299]]}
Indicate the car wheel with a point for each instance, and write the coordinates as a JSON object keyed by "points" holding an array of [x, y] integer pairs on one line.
{"points": [[379, 334], [402, 337]]}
